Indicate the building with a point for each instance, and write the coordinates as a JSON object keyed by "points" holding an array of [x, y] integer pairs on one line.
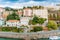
{"points": [[43, 13], [54, 15], [20, 13], [6, 13], [27, 12], [1, 21], [24, 20], [1, 11], [12, 23]]}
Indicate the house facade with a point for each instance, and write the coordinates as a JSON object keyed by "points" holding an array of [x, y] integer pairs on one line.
{"points": [[6, 13], [24, 20], [54, 15], [1, 11], [12, 23], [1, 21], [20, 13], [43, 13], [27, 12]]}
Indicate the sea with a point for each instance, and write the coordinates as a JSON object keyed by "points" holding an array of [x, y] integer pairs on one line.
{"points": [[23, 39]]}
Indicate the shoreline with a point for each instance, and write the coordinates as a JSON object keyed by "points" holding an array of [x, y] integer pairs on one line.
{"points": [[42, 34]]}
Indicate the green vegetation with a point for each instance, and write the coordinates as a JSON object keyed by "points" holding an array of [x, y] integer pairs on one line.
{"points": [[41, 20], [37, 20], [10, 9], [13, 16], [58, 24], [11, 29], [14, 29], [38, 7], [24, 26], [6, 29], [36, 29], [35, 7], [52, 25], [21, 30]]}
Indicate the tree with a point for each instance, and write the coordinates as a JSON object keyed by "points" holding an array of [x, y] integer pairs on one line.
{"points": [[52, 25], [13, 16], [41, 20], [35, 20]]}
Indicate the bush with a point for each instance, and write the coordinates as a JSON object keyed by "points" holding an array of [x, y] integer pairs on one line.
{"points": [[37, 28], [21, 30], [6, 28], [14, 29], [24, 26], [10, 29], [52, 25], [58, 24], [37, 20]]}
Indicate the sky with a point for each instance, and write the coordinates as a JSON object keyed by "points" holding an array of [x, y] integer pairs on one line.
{"points": [[22, 3]]}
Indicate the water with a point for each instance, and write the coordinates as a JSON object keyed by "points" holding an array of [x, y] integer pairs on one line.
{"points": [[23, 39], [10, 39], [47, 39]]}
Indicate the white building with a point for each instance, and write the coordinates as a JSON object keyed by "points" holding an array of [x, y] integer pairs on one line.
{"points": [[43, 13], [1, 21], [27, 12], [24, 20], [12, 23]]}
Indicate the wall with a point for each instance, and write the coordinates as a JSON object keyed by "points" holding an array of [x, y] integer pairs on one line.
{"points": [[33, 35]]}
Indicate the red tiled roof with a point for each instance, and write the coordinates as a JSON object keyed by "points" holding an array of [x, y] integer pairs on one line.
{"points": [[13, 21]]}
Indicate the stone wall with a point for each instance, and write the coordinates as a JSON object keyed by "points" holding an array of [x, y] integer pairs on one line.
{"points": [[27, 36]]}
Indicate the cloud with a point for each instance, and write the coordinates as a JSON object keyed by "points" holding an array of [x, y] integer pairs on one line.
{"points": [[30, 3], [22, 3]]}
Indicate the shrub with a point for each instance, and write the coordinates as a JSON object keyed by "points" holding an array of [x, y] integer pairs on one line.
{"points": [[21, 30], [6, 28], [37, 20], [37, 28], [14, 29], [52, 25]]}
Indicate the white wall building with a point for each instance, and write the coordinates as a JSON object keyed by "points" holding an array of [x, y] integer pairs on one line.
{"points": [[43, 13], [24, 20], [1, 21], [12, 23]]}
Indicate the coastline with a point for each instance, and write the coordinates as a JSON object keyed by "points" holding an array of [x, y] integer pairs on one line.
{"points": [[34, 35]]}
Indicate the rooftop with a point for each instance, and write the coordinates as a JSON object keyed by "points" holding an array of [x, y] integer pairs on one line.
{"points": [[13, 21]]}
